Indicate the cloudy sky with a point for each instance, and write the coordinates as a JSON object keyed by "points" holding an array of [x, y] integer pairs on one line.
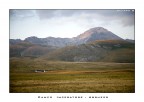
{"points": [[69, 23]]}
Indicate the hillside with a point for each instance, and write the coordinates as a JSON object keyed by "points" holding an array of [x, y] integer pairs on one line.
{"points": [[102, 50], [29, 49]]}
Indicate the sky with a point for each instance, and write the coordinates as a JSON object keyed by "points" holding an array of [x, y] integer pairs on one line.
{"points": [[69, 23]]}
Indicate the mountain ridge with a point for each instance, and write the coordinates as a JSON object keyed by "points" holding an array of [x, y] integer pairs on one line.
{"points": [[96, 44], [96, 33]]}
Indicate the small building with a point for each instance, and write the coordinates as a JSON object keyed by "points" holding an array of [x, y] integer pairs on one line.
{"points": [[36, 71]]}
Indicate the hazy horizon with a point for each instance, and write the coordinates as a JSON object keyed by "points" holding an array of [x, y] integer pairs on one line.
{"points": [[69, 23]]}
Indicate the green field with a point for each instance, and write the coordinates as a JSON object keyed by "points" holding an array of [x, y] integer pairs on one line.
{"points": [[70, 77]]}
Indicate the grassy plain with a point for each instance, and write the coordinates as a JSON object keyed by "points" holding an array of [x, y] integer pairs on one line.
{"points": [[70, 77]]}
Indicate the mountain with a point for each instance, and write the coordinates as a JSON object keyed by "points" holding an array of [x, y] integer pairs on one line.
{"points": [[95, 44], [101, 50], [59, 42], [130, 40], [14, 41], [97, 33]]}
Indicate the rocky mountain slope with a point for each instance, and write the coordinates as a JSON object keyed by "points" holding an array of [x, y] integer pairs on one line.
{"points": [[97, 33]]}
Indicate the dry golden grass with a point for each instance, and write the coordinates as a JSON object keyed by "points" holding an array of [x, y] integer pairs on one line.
{"points": [[71, 77]]}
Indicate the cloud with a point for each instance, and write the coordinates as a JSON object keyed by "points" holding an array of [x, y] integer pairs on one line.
{"points": [[124, 17], [45, 14], [18, 14]]}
